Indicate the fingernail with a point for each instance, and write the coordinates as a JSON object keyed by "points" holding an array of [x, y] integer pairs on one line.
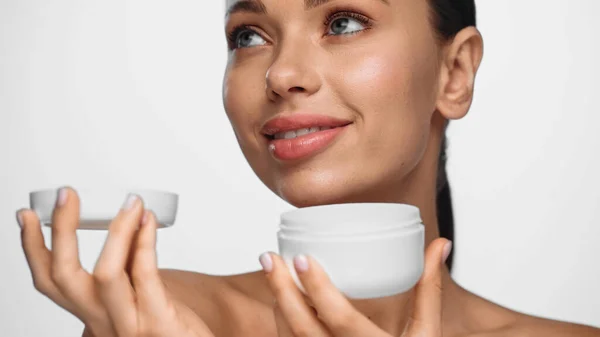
{"points": [[145, 218], [301, 263], [61, 199], [446, 252], [266, 262], [20, 218], [130, 201]]}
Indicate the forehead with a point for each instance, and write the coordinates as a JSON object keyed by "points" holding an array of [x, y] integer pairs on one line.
{"points": [[257, 6], [230, 2], [307, 3]]}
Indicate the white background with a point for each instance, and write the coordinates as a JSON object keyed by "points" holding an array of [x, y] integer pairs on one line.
{"points": [[128, 93]]}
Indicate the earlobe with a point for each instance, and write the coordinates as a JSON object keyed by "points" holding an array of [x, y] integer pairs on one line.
{"points": [[457, 78]]}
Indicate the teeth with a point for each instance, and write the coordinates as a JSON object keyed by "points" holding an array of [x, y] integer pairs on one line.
{"points": [[300, 132]]}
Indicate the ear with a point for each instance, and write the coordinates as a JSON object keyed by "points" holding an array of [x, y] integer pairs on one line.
{"points": [[462, 58]]}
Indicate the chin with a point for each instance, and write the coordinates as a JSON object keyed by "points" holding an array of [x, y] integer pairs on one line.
{"points": [[326, 188], [312, 198]]}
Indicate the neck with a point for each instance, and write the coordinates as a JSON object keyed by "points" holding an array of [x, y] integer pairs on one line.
{"points": [[391, 313], [419, 189]]}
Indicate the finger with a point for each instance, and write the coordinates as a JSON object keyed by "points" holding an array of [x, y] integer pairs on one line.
{"points": [[112, 280], [153, 299], [39, 259], [283, 329], [74, 282], [67, 272], [332, 306], [427, 313], [300, 318], [146, 280]]}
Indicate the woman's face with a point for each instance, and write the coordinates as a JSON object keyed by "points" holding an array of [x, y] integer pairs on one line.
{"points": [[371, 63]]}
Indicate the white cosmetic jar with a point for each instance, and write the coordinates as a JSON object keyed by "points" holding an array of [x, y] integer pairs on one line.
{"points": [[368, 250]]}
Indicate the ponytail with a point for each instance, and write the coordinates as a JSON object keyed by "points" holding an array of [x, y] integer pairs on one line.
{"points": [[444, 202], [449, 18]]}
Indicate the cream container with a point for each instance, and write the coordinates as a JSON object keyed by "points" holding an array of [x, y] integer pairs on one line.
{"points": [[369, 250], [98, 206]]}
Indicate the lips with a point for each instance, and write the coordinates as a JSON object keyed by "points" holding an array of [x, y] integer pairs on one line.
{"points": [[300, 135], [296, 122]]}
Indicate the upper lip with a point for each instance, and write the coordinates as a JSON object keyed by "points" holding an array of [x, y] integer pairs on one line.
{"points": [[297, 121]]}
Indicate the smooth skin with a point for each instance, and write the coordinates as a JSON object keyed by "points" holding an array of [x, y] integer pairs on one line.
{"points": [[126, 297], [325, 312], [399, 85]]}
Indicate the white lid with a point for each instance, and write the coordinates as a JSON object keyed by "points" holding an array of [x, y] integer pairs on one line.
{"points": [[99, 206], [350, 217]]}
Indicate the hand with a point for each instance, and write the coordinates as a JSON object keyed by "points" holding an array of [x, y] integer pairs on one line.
{"points": [[333, 315], [125, 296]]}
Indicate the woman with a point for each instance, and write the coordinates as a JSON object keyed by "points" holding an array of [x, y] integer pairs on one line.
{"points": [[331, 102]]}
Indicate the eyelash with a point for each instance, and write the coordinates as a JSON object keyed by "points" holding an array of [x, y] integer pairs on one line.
{"points": [[332, 15], [340, 13], [232, 37]]}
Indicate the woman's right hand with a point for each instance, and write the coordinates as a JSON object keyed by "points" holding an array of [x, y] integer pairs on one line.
{"points": [[124, 296]]}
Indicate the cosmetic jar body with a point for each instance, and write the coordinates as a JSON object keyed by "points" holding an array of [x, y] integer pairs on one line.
{"points": [[369, 250]]}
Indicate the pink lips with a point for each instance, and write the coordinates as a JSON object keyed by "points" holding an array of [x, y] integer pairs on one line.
{"points": [[305, 145]]}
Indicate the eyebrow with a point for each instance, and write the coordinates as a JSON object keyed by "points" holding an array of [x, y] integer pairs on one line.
{"points": [[258, 7]]}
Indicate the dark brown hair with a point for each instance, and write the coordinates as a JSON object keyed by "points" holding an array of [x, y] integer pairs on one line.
{"points": [[449, 17]]}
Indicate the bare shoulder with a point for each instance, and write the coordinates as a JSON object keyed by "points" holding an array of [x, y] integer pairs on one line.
{"points": [[536, 326], [221, 301], [530, 326]]}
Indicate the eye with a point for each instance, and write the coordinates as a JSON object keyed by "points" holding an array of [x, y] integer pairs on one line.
{"points": [[244, 37], [341, 23]]}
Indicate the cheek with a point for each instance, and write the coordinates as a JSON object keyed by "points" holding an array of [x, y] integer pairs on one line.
{"points": [[389, 86], [241, 101], [391, 91], [243, 96]]}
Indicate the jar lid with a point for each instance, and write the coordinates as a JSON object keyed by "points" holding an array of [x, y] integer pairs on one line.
{"points": [[351, 217], [99, 205]]}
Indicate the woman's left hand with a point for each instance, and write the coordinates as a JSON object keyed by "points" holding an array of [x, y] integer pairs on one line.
{"points": [[333, 315]]}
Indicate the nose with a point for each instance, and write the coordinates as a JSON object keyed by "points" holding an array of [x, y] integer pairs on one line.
{"points": [[293, 72]]}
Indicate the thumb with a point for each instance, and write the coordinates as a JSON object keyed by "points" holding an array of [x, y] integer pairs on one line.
{"points": [[426, 316]]}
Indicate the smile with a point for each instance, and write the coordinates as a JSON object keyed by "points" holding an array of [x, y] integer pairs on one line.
{"points": [[298, 135], [300, 132], [303, 143]]}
